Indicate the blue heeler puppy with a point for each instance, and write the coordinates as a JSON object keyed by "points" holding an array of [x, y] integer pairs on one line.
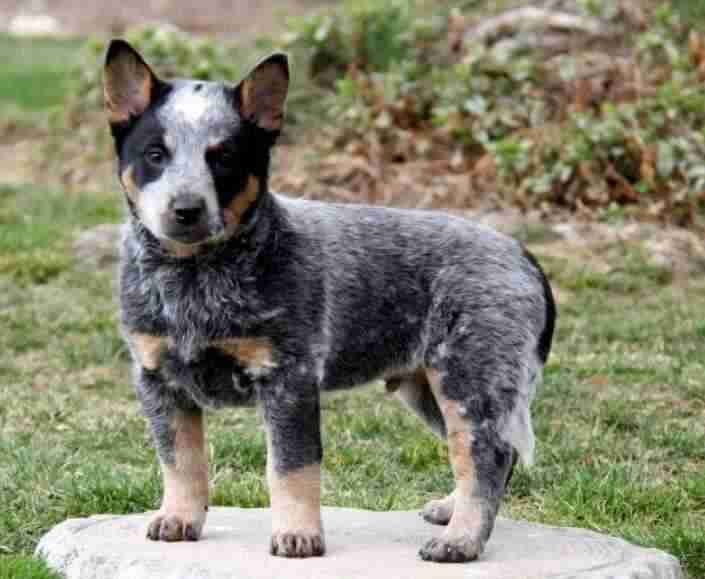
{"points": [[232, 295]]}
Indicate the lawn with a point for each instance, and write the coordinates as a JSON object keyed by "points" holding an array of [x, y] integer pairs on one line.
{"points": [[619, 417], [33, 74]]}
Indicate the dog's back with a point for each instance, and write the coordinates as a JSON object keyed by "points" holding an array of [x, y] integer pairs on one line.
{"points": [[412, 275]]}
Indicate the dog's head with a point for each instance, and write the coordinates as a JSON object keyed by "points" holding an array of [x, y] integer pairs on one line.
{"points": [[193, 156]]}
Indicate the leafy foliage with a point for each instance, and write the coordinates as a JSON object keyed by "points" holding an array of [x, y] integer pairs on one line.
{"points": [[540, 128], [170, 51]]}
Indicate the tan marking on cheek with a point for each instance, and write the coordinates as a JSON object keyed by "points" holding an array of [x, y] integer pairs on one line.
{"points": [[149, 349], [242, 202], [127, 180], [256, 354], [186, 481], [295, 496]]}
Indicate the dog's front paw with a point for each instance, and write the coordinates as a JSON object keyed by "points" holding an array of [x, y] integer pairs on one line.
{"points": [[170, 527], [297, 544], [445, 550]]}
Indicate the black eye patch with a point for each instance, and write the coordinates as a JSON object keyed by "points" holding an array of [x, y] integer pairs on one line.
{"points": [[223, 159], [230, 165], [144, 150]]}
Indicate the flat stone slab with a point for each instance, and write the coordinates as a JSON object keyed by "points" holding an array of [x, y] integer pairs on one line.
{"points": [[359, 544]]}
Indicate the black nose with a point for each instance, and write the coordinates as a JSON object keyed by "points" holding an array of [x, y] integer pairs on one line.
{"points": [[188, 209]]}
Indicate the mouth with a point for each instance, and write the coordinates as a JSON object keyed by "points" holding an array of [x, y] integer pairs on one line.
{"points": [[195, 235], [186, 234]]}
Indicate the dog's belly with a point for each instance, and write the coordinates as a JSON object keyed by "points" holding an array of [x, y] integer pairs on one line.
{"points": [[370, 356]]}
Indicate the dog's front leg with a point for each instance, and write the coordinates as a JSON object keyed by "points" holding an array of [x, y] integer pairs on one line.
{"points": [[178, 430], [294, 453]]}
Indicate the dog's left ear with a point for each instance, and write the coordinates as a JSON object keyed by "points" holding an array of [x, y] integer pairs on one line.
{"points": [[261, 95]]}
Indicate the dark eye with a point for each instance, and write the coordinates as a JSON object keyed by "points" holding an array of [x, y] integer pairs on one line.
{"points": [[156, 156]]}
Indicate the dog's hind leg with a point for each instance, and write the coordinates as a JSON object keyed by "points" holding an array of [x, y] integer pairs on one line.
{"points": [[481, 456], [440, 511], [415, 392]]}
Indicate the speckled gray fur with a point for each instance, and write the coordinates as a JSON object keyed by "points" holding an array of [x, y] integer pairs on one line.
{"points": [[345, 294]]}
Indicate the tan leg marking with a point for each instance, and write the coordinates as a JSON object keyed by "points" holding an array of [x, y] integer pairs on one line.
{"points": [[296, 510], [241, 203], [461, 539], [256, 354], [185, 501], [148, 349], [127, 180]]}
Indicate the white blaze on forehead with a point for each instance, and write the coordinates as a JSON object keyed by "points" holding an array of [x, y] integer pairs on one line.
{"points": [[189, 105]]}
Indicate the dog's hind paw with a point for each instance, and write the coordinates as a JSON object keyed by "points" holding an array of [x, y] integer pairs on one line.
{"points": [[297, 544], [439, 512], [170, 528], [442, 550]]}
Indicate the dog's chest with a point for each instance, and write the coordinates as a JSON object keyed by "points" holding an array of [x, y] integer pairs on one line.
{"points": [[221, 372], [205, 333]]}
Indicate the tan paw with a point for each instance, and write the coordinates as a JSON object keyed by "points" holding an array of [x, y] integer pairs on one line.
{"points": [[438, 512], [297, 544], [175, 527], [445, 550]]}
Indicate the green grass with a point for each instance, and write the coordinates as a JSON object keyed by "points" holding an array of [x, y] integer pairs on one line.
{"points": [[618, 419], [24, 568], [33, 72]]}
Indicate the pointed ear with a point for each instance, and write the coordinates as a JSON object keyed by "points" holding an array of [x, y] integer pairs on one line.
{"points": [[128, 83], [263, 92]]}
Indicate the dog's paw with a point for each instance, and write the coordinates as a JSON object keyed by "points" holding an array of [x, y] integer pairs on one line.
{"points": [[444, 550], [438, 512], [175, 527], [297, 544]]}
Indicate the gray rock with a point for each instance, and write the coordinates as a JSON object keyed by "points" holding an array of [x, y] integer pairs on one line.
{"points": [[360, 544]]}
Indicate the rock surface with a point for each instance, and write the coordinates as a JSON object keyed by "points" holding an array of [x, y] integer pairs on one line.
{"points": [[360, 544]]}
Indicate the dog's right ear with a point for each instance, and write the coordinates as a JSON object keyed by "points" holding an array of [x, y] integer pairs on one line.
{"points": [[129, 85]]}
